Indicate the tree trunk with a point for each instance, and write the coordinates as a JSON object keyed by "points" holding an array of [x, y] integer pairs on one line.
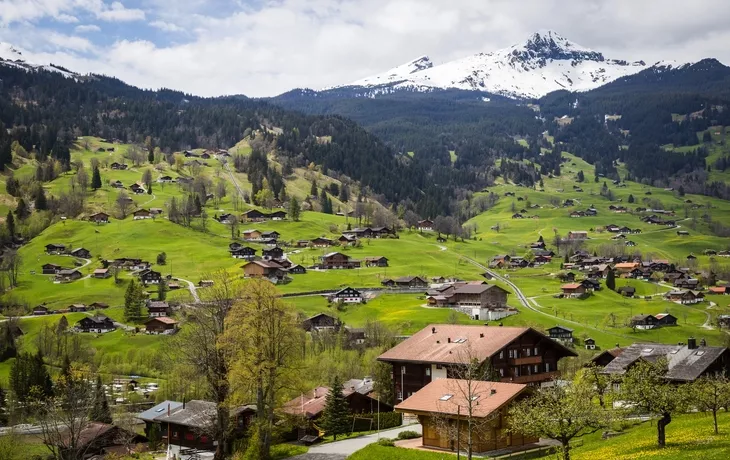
{"points": [[714, 419], [566, 449], [661, 428]]}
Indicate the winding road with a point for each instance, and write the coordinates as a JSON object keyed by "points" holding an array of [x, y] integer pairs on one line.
{"points": [[526, 302]]}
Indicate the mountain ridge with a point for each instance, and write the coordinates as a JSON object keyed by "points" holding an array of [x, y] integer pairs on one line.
{"points": [[544, 63]]}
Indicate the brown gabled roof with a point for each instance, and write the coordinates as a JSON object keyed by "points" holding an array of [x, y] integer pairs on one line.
{"points": [[162, 319], [571, 286], [450, 343], [434, 397]]}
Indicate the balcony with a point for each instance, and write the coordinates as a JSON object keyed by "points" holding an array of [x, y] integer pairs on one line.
{"points": [[541, 377], [526, 360]]}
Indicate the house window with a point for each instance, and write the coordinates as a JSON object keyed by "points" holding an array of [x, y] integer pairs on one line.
{"points": [[428, 372], [516, 371], [527, 352], [399, 396], [174, 434], [535, 369], [512, 353], [204, 439], [501, 372], [547, 367], [189, 437], [439, 366], [501, 354], [403, 369], [536, 351]]}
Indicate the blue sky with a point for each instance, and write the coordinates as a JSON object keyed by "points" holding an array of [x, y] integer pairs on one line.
{"points": [[266, 47]]}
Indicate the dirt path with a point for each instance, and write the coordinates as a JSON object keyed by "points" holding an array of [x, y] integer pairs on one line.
{"points": [[192, 288]]}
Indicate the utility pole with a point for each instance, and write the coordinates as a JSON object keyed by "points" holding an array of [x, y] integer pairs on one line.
{"points": [[458, 432]]}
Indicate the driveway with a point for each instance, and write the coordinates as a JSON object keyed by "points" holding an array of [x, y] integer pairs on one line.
{"points": [[339, 450]]}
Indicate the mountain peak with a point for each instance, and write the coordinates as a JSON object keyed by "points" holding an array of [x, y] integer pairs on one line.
{"points": [[9, 52], [547, 45], [421, 63]]}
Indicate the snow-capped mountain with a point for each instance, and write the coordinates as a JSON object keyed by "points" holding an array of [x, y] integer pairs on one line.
{"points": [[11, 56], [546, 62]]}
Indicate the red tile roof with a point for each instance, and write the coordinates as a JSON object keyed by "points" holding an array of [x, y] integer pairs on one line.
{"points": [[434, 397]]}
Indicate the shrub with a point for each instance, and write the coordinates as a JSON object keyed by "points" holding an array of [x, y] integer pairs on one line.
{"points": [[408, 434], [386, 442]]}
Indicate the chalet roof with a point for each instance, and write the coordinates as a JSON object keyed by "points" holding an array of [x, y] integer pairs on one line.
{"points": [[195, 414], [684, 363], [408, 279], [447, 343], [362, 386], [475, 288], [331, 254], [161, 319], [571, 286], [345, 289], [311, 403], [158, 410], [444, 396], [561, 328], [158, 304], [642, 317]]}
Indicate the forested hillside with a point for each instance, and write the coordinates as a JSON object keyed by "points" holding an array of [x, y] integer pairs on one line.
{"points": [[45, 112]]}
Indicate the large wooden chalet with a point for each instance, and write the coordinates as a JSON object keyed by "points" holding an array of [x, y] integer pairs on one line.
{"points": [[335, 260], [517, 355], [98, 324]]}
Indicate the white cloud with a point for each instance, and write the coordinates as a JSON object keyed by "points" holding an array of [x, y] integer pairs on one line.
{"points": [[266, 48], [69, 42], [166, 26], [67, 18], [87, 28], [117, 12]]}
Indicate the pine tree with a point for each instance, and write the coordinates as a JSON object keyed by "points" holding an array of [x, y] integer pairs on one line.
{"points": [[3, 411], [313, 190], [100, 411], [133, 302], [162, 290], [581, 177], [154, 435], [149, 189], [611, 280], [631, 198], [336, 414], [22, 211], [151, 156], [96, 179], [40, 200], [10, 223], [294, 209]]}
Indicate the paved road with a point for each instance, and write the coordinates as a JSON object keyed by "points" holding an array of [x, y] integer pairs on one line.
{"points": [[341, 449]]}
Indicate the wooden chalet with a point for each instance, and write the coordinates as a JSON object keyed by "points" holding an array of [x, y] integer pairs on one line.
{"points": [[99, 218], [254, 215], [160, 325], [264, 269], [573, 290], [346, 295], [50, 269], [68, 274], [98, 324], [379, 261], [142, 214], [252, 234], [337, 260], [148, 276], [272, 253], [665, 319], [190, 423], [40, 310], [644, 322], [97, 440], [517, 354], [425, 225], [118, 166], [589, 343], [442, 400], [239, 251], [626, 291], [321, 242], [55, 249], [158, 308], [81, 253], [406, 282], [561, 334], [321, 321]]}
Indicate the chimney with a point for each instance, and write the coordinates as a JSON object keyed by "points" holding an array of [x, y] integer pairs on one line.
{"points": [[433, 330], [449, 339], [183, 403], [691, 343], [481, 335], [493, 391], [703, 342]]}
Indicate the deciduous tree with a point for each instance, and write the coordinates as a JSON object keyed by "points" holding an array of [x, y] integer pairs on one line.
{"points": [[562, 413]]}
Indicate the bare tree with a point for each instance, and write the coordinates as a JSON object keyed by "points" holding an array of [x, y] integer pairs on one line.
{"points": [[233, 223], [64, 418], [10, 266], [411, 219], [471, 385], [220, 190], [124, 204], [147, 178], [82, 177]]}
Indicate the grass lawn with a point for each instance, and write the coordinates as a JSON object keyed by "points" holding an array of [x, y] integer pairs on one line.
{"points": [[688, 437]]}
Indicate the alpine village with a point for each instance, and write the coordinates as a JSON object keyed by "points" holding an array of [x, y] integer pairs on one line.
{"points": [[372, 271]]}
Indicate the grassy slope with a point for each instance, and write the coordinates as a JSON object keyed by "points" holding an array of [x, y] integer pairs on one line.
{"points": [[688, 437]]}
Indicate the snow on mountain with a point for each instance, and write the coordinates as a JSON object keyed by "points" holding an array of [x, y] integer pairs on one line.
{"points": [[11, 56], [546, 62]]}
